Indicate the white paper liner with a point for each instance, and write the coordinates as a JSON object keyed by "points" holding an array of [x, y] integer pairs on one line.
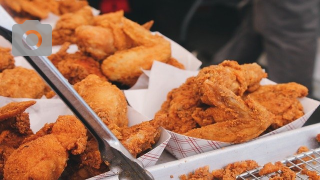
{"points": [[181, 146]]}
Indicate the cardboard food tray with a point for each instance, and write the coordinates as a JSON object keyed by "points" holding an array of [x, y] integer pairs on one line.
{"points": [[269, 149], [149, 101]]}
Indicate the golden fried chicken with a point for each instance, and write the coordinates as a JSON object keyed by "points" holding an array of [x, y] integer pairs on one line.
{"points": [[43, 158], [106, 100], [125, 65], [231, 171], [96, 41], [6, 59], [140, 137], [75, 67], [69, 6], [199, 174], [64, 31], [31, 9], [282, 101], [250, 121], [189, 105], [21, 83], [285, 172], [14, 128], [174, 62], [44, 155]]}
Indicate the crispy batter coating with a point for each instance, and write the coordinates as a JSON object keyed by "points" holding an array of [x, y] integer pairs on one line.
{"points": [[21, 83], [105, 99], [14, 108], [43, 158], [285, 172], [64, 31], [174, 62], [250, 121], [96, 41], [201, 173], [75, 67], [190, 105], [6, 59], [69, 6], [282, 101], [125, 66], [140, 137], [231, 171]]}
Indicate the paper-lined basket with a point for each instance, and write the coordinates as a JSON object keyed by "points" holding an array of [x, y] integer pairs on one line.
{"points": [[181, 146]]}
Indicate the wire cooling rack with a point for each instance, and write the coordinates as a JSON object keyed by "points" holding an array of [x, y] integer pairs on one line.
{"points": [[309, 160]]}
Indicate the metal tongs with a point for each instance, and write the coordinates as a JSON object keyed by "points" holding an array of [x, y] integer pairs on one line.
{"points": [[112, 152]]}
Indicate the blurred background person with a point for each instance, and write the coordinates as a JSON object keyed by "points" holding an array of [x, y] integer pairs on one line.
{"points": [[286, 30]]}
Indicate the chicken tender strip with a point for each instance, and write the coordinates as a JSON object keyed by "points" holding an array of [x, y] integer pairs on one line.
{"points": [[6, 59], [281, 100], [125, 66], [254, 120]]}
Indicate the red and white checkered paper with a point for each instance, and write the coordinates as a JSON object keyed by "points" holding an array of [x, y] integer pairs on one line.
{"points": [[183, 146]]}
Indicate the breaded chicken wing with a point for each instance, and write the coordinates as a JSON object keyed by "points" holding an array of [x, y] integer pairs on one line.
{"points": [[6, 59], [106, 100], [282, 101], [125, 66], [252, 119], [21, 83], [189, 105], [65, 28]]}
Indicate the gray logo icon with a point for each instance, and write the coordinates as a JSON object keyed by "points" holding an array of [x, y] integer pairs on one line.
{"points": [[34, 34]]}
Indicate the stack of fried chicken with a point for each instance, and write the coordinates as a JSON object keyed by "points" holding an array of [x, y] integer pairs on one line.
{"points": [[110, 46], [63, 149], [226, 103]]}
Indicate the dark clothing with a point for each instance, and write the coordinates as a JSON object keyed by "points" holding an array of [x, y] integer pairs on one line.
{"points": [[287, 31]]}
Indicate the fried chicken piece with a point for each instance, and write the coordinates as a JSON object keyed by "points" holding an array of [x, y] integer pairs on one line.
{"points": [[174, 62], [140, 137], [188, 106], [285, 172], [64, 31], [96, 41], [75, 67], [69, 6], [14, 108], [14, 128], [106, 100], [231, 171], [44, 155], [125, 66], [176, 112], [21, 83], [43, 158], [282, 101], [251, 121], [199, 174], [6, 59], [148, 25], [313, 175]]}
